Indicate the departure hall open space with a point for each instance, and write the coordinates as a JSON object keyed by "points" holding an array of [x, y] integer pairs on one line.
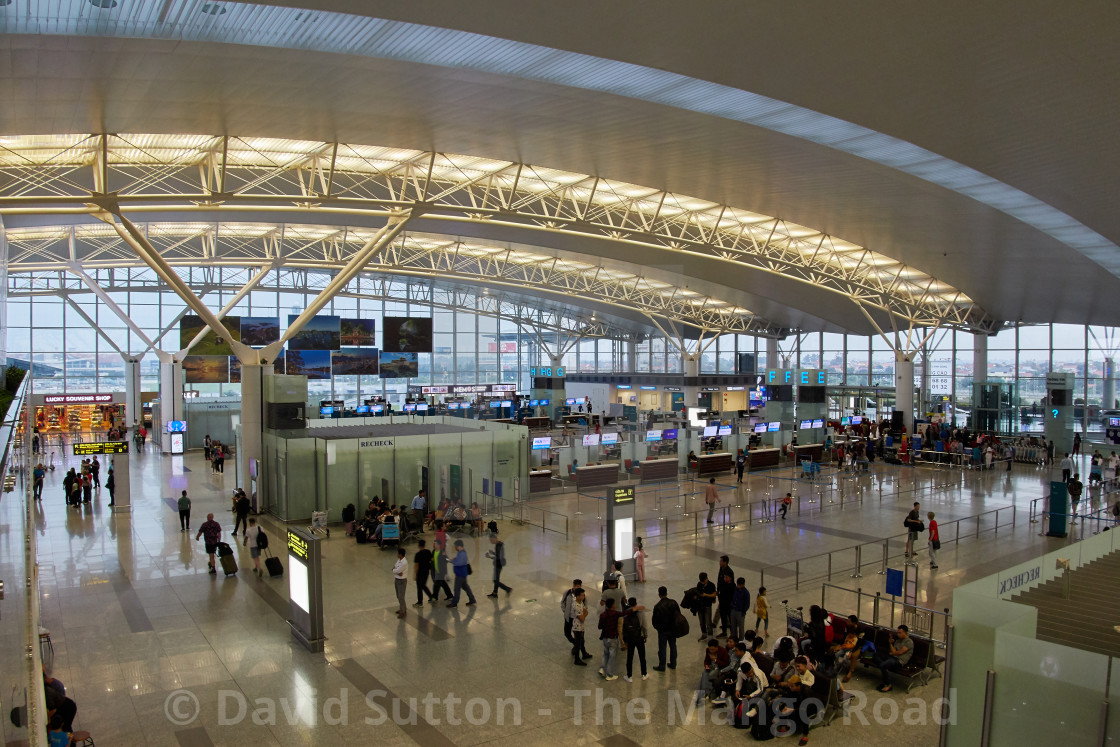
{"points": [[315, 312]]}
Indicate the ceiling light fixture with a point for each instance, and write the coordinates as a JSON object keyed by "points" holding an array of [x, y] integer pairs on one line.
{"points": [[103, 4], [213, 9], [4, 3]]}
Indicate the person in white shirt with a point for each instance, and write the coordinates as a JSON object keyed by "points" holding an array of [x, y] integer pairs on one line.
{"points": [[1067, 468], [249, 539], [400, 579]]}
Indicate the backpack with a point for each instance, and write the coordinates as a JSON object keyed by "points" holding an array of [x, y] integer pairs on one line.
{"points": [[262, 540], [565, 603], [691, 600], [632, 628]]}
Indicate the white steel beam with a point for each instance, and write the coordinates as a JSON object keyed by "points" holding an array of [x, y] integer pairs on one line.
{"points": [[241, 293]]}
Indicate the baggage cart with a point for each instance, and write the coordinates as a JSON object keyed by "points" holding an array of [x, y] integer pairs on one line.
{"points": [[795, 620], [319, 523]]}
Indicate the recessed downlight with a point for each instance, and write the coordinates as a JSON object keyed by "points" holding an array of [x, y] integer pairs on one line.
{"points": [[103, 4]]}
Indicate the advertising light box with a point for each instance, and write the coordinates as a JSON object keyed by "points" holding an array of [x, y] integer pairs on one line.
{"points": [[725, 430], [773, 427], [544, 442], [760, 427], [609, 438], [669, 434], [591, 439], [805, 424], [710, 431], [653, 435], [818, 423]]}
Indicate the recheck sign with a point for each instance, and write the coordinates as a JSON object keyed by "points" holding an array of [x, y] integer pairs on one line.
{"points": [[375, 443], [1019, 579]]}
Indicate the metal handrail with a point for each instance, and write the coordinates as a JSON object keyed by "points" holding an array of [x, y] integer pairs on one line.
{"points": [[517, 512], [911, 610], [885, 544]]}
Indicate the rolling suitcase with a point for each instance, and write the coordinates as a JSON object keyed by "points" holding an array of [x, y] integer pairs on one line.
{"points": [[273, 564], [229, 562]]}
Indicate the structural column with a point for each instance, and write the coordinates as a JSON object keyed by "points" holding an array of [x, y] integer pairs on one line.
{"points": [[631, 351], [979, 358], [170, 397], [252, 422], [904, 388], [132, 407], [691, 370], [1108, 400], [772, 360]]}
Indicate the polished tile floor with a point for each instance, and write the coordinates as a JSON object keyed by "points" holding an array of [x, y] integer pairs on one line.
{"points": [[157, 652]]}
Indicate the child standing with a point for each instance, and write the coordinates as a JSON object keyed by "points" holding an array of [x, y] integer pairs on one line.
{"points": [[640, 560], [762, 612]]}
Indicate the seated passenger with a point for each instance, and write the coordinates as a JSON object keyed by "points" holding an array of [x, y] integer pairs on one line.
{"points": [[715, 659]]}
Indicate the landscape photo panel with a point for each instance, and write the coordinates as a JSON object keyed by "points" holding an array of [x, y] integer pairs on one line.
{"points": [[258, 331], [399, 365], [320, 333], [357, 332], [406, 334], [314, 364], [355, 362], [206, 369]]}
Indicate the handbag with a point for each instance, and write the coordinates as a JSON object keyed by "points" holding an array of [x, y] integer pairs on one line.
{"points": [[936, 544], [680, 625], [469, 569]]}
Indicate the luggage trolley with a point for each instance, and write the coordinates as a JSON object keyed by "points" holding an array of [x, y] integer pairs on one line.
{"points": [[319, 523], [795, 621]]}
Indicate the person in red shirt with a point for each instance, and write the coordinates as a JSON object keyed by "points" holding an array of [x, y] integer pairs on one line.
{"points": [[715, 659], [934, 540]]}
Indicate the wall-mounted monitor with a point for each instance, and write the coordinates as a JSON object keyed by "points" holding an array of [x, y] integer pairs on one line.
{"points": [[760, 427], [176, 426], [774, 426], [569, 401], [377, 409], [363, 409], [857, 419], [811, 395], [591, 439], [421, 407], [710, 431], [818, 423], [410, 408], [326, 411], [805, 424], [656, 435], [507, 403], [609, 439], [780, 393], [724, 430], [544, 442], [544, 402], [1114, 422], [845, 421], [534, 402]]}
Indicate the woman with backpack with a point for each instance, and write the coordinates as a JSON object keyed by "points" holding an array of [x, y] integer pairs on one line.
{"points": [[634, 634]]}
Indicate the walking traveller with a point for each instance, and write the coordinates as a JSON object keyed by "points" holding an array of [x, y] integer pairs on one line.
{"points": [[242, 506], [439, 573], [740, 464], [111, 486], [400, 580], [184, 510], [498, 555], [251, 538], [706, 597], [419, 508], [787, 501], [913, 524], [725, 590], [711, 497], [566, 607], [461, 567], [422, 565], [38, 475], [762, 612], [1067, 468], [740, 606], [212, 530]]}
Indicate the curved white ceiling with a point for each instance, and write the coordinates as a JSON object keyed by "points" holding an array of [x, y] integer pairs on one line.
{"points": [[904, 200]]}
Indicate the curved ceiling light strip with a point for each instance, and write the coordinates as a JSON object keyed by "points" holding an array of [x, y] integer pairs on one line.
{"points": [[293, 28], [196, 172], [326, 249]]}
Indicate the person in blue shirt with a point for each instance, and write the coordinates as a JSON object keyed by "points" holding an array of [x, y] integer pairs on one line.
{"points": [[419, 509], [740, 606], [38, 475], [460, 563]]}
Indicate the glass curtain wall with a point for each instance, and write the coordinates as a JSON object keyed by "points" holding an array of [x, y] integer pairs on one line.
{"points": [[48, 327]]}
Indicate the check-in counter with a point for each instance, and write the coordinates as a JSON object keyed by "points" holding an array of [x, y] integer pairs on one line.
{"points": [[812, 452], [540, 481], [710, 464], [759, 459], [595, 475], [536, 423], [654, 470]]}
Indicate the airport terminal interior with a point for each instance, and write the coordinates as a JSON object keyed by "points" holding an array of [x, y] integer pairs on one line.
{"points": [[568, 285]]}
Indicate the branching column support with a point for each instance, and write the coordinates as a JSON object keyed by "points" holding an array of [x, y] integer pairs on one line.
{"points": [[906, 345]]}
